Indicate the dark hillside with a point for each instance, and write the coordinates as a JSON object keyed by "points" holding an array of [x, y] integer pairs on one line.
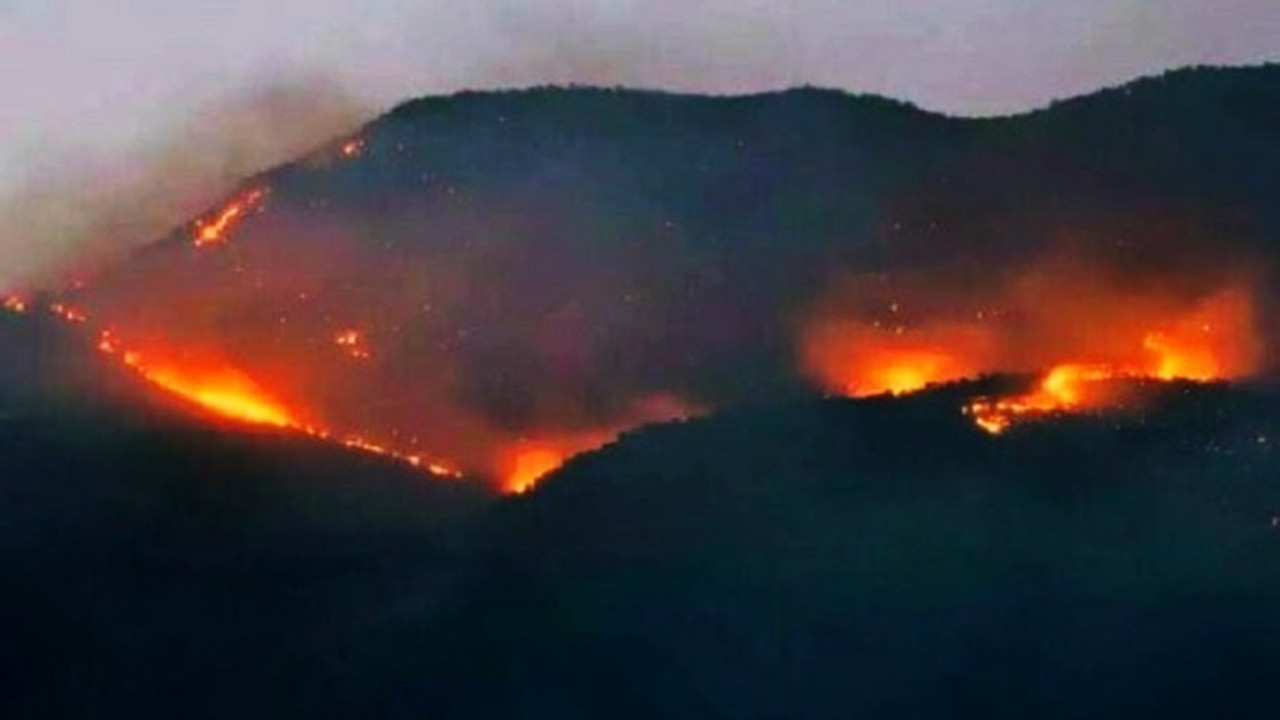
{"points": [[885, 559]]}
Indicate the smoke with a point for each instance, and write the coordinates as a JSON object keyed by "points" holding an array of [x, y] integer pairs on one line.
{"points": [[80, 210], [133, 193], [973, 57]]}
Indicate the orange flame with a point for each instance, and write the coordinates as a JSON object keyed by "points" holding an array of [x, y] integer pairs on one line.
{"points": [[860, 359], [221, 390], [1213, 342], [351, 148], [232, 394], [215, 230], [528, 464], [68, 313], [1063, 389], [525, 462], [353, 343], [1065, 321], [14, 304], [108, 343]]}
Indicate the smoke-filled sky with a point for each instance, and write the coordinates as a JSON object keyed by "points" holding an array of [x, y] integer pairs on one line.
{"points": [[117, 86]]}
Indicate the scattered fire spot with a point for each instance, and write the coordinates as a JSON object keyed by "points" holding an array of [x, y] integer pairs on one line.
{"points": [[15, 304], [353, 344], [68, 313], [351, 148], [108, 343], [215, 231]]}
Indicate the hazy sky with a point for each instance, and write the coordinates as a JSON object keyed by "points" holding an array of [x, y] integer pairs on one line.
{"points": [[105, 75]]}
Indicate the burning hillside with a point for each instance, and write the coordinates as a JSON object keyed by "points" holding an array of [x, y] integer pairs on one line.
{"points": [[492, 283], [1075, 324]]}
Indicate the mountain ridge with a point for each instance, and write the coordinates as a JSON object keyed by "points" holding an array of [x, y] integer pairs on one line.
{"points": [[550, 266]]}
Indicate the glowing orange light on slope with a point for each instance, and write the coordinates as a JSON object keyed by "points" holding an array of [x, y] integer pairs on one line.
{"points": [[528, 465], [1214, 341], [14, 304], [904, 372], [351, 148], [108, 343], [859, 359], [215, 230], [352, 342], [1064, 388], [231, 394], [223, 391], [68, 313]]}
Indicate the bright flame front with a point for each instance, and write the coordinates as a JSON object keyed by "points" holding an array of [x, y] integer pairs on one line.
{"points": [[221, 390], [1214, 342], [215, 231]]}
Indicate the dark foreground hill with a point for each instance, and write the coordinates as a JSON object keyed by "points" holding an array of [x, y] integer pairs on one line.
{"points": [[834, 559], [884, 559], [152, 559]]}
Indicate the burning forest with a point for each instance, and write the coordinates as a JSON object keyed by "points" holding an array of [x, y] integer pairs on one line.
{"points": [[1076, 329], [497, 303]]}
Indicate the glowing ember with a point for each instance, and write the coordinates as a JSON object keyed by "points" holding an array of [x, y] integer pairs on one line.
{"points": [[436, 468], [14, 304], [351, 148], [108, 343], [352, 342], [215, 230], [68, 313], [528, 465], [356, 442]]}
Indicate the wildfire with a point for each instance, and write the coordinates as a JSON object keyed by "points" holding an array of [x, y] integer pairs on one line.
{"points": [[1065, 388], [14, 304], [353, 344], [68, 313], [108, 343], [221, 390], [528, 464], [232, 394], [861, 359], [903, 371], [351, 148], [1213, 342], [1064, 322], [523, 463], [215, 231]]}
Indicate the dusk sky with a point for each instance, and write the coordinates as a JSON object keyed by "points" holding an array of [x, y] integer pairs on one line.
{"points": [[107, 77]]}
